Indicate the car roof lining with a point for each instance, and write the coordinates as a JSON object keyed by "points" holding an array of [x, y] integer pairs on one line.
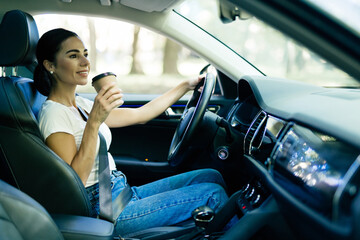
{"points": [[149, 6], [142, 5], [165, 23]]}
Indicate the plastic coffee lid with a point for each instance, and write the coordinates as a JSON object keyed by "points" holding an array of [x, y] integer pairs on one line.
{"points": [[101, 75]]}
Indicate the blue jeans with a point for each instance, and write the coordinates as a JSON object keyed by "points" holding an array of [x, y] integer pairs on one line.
{"points": [[165, 202]]}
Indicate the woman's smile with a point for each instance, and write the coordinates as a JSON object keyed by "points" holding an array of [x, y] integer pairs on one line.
{"points": [[84, 73]]}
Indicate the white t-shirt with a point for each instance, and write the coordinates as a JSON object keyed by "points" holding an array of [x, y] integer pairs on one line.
{"points": [[55, 117]]}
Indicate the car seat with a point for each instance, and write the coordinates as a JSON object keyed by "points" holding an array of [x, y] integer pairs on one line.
{"points": [[21, 217]]}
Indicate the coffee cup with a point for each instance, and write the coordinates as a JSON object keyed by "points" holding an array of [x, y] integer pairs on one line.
{"points": [[102, 79]]}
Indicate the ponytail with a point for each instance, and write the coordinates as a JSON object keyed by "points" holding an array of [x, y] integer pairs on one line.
{"points": [[42, 80]]}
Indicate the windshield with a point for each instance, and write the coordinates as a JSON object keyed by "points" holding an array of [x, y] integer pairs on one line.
{"points": [[272, 52]]}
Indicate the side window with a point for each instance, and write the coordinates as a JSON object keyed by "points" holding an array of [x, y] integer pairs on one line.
{"points": [[144, 61]]}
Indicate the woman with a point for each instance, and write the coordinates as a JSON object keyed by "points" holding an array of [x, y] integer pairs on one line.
{"points": [[63, 64]]}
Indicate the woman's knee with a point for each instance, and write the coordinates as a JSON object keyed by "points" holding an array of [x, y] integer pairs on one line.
{"points": [[217, 196], [214, 176]]}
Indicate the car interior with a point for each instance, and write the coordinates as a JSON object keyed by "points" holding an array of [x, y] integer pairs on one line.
{"points": [[288, 151]]}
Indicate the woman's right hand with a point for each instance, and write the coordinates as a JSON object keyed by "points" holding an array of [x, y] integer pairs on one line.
{"points": [[108, 98]]}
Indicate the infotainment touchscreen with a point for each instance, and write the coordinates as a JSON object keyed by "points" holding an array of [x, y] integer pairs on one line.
{"points": [[311, 165]]}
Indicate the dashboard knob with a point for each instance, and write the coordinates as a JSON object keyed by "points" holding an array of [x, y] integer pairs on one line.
{"points": [[223, 153]]}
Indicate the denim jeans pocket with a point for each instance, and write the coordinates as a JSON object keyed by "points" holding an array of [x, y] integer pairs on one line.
{"points": [[118, 178], [93, 194]]}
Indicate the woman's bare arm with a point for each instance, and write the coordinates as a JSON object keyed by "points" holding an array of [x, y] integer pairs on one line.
{"points": [[121, 117]]}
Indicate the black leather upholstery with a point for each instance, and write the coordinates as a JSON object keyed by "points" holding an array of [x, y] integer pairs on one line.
{"points": [[23, 218], [22, 35], [26, 161], [79, 228]]}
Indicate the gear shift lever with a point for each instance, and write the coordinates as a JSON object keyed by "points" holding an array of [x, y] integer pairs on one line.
{"points": [[203, 216]]}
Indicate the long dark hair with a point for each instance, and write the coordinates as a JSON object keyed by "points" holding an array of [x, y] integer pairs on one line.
{"points": [[48, 46]]}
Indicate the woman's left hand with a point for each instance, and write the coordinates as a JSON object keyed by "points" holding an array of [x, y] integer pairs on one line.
{"points": [[194, 82]]}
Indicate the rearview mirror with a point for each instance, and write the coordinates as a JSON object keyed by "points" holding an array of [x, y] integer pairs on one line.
{"points": [[229, 12]]}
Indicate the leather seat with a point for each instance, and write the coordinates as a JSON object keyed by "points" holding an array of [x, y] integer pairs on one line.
{"points": [[25, 160], [23, 218]]}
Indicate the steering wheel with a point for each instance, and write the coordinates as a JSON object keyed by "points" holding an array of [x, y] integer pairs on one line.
{"points": [[190, 120]]}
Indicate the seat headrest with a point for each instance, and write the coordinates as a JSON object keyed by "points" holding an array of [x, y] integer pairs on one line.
{"points": [[18, 38]]}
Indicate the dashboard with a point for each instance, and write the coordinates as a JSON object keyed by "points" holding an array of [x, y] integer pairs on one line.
{"points": [[304, 159]]}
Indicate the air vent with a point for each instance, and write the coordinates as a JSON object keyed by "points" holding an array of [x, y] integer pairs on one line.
{"points": [[255, 134]]}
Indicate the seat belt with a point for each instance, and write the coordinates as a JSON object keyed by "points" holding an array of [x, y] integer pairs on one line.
{"points": [[105, 199], [108, 211]]}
